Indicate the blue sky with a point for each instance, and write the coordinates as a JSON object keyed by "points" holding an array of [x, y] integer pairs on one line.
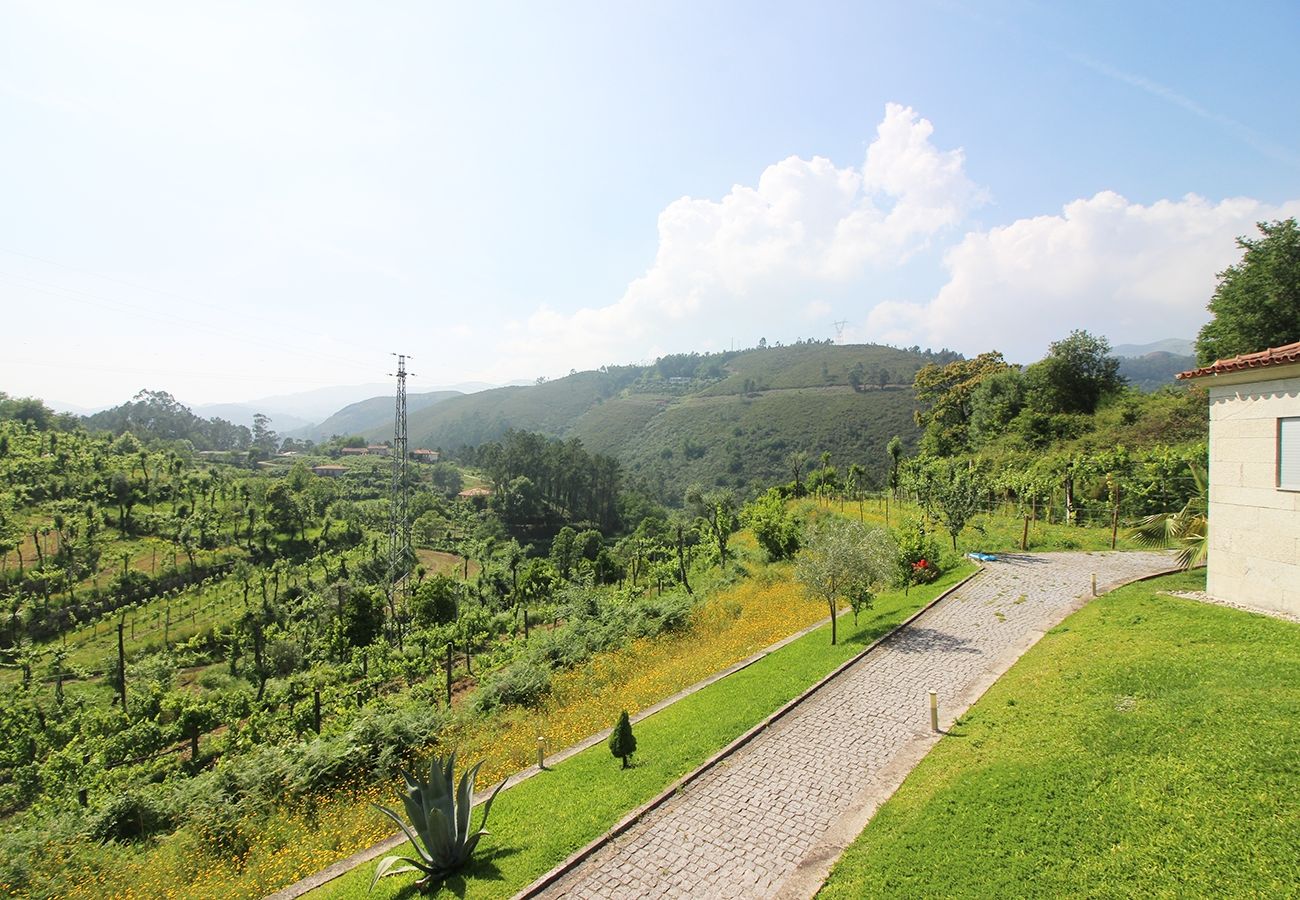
{"points": [[230, 201]]}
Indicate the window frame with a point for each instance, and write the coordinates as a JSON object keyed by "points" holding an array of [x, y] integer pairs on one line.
{"points": [[1292, 434]]}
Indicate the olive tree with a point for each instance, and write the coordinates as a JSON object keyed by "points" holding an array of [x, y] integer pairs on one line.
{"points": [[844, 560]]}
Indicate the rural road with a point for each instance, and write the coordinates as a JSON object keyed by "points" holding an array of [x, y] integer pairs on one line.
{"points": [[769, 820]]}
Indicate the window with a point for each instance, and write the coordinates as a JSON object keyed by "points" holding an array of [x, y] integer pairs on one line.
{"points": [[1288, 454]]}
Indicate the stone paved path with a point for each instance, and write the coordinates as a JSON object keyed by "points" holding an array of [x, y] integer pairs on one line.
{"points": [[764, 821]]}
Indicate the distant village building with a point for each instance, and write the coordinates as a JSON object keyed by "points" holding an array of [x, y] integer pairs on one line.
{"points": [[329, 471], [377, 450], [422, 455], [475, 493], [353, 451], [1254, 510]]}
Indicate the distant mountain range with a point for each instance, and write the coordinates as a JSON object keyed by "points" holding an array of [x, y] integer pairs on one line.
{"points": [[363, 416], [1151, 366], [296, 414], [1172, 346]]}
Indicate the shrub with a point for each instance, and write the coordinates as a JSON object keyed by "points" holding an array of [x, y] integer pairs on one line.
{"points": [[130, 816], [622, 743], [522, 683], [918, 559]]}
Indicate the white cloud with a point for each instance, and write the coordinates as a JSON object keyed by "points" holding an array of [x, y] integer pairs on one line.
{"points": [[1131, 272], [766, 255]]}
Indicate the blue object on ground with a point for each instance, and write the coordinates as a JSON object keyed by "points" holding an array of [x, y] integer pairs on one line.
{"points": [[983, 557]]}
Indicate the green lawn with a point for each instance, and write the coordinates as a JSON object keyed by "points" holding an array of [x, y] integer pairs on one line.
{"points": [[538, 823], [1146, 747]]}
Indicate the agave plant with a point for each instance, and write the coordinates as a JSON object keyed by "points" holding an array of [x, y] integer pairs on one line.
{"points": [[440, 818], [1187, 529]]}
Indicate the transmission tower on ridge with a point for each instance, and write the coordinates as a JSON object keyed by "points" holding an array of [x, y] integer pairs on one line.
{"points": [[839, 330], [399, 526]]}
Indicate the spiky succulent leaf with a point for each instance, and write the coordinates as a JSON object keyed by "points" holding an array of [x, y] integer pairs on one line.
{"points": [[440, 811], [386, 865], [487, 806], [405, 830], [465, 802]]}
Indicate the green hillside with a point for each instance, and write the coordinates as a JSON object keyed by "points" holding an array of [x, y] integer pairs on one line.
{"points": [[743, 440], [809, 365], [375, 413], [726, 419]]}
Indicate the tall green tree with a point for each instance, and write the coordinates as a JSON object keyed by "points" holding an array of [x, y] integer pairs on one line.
{"points": [[1076, 374], [944, 400], [1256, 304]]}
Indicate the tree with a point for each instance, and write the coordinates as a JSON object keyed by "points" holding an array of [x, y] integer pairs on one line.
{"points": [[775, 528], [717, 516], [284, 509], [948, 491], [796, 460], [124, 496], [1076, 374], [844, 560], [264, 438], [1256, 304], [944, 398], [564, 552], [998, 400], [895, 451], [436, 601], [622, 743]]}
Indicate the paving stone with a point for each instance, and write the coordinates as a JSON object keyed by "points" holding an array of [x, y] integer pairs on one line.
{"points": [[743, 827]]}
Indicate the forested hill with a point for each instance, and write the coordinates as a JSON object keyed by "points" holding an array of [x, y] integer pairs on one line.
{"points": [[718, 419], [365, 415]]}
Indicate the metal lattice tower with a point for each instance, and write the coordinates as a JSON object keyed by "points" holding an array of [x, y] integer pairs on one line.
{"points": [[399, 525]]}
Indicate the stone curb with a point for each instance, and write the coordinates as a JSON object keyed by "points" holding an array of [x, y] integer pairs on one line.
{"points": [[640, 812], [361, 857]]}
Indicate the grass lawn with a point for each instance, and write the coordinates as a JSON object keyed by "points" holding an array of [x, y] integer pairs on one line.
{"points": [[1146, 747], [538, 823]]}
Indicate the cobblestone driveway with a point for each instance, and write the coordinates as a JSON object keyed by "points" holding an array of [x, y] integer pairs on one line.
{"points": [[785, 803]]}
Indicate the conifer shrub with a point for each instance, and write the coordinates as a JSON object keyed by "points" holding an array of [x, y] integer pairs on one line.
{"points": [[622, 743]]}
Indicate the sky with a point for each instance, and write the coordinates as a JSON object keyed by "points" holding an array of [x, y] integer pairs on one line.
{"points": [[230, 201]]}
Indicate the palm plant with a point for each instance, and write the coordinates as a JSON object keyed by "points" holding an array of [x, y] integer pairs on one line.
{"points": [[440, 818], [1187, 529]]}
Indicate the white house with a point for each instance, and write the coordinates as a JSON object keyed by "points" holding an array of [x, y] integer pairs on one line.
{"points": [[1254, 535]]}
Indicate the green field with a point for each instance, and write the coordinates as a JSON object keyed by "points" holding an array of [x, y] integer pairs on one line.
{"points": [[1145, 747]]}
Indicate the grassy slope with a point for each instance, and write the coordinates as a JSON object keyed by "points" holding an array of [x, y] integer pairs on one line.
{"points": [[1146, 747], [538, 823]]}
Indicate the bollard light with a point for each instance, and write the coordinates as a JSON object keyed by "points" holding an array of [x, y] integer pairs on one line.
{"points": [[934, 710], [541, 752], [1094, 584]]}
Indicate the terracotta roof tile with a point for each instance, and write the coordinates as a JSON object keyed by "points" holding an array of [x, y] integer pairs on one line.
{"points": [[1275, 356]]}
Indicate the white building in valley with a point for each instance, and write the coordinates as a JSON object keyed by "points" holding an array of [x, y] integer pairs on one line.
{"points": [[1254, 534]]}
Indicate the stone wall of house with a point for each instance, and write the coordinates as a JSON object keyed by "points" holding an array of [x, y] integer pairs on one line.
{"points": [[1254, 554]]}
